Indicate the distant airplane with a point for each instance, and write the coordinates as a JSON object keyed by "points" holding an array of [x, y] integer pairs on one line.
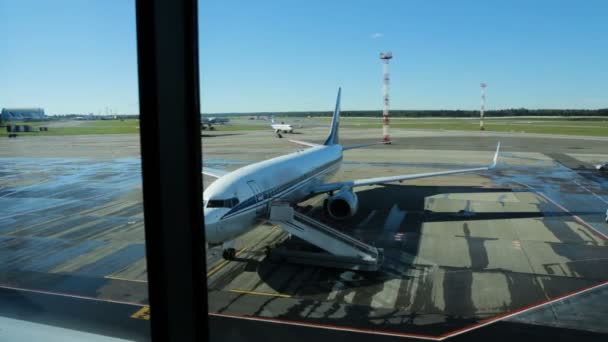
{"points": [[209, 122], [281, 127], [220, 121], [237, 200]]}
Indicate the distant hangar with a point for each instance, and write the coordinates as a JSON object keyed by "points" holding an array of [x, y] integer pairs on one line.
{"points": [[23, 114]]}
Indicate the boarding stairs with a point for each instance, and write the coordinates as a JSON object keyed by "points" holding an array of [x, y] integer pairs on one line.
{"points": [[339, 250]]}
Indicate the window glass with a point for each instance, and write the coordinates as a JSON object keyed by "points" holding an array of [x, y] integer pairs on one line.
{"points": [[72, 245], [470, 197], [215, 204], [228, 203]]}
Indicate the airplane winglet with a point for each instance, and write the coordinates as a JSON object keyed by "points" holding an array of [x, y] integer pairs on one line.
{"points": [[495, 160]]}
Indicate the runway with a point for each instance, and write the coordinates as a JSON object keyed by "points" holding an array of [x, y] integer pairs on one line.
{"points": [[462, 251]]}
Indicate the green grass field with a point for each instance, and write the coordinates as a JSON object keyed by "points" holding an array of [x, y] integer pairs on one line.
{"points": [[81, 127], [576, 126], [587, 127]]}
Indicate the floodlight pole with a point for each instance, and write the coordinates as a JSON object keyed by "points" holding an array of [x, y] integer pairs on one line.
{"points": [[483, 105]]}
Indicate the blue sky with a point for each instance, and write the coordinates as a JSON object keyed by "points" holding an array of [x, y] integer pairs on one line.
{"points": [[79, 56]]}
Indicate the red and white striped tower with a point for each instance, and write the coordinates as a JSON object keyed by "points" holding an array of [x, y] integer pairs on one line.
{"points": [[386, 57], [483, 105]]}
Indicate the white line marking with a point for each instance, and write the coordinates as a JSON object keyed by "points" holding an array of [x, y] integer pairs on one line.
{"points": [[125, 279], [593, 193], [576, 217]]}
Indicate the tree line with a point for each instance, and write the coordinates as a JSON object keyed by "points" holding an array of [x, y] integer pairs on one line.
{"points": [[451, 113]]}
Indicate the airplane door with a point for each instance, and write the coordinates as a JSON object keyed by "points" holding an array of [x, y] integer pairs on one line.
{"points": [[257, 192]]}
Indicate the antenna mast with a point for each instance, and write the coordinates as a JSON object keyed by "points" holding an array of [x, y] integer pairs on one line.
{"points": [[483, 105], [386, 57]]}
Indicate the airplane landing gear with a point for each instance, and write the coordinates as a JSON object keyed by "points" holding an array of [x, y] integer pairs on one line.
{"points": [[229, 254]]}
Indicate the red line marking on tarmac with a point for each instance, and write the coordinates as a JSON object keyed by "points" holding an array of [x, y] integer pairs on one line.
{"points": [[521, 310], [412, 335], [452, 333], [69, 295], [326, 326]]}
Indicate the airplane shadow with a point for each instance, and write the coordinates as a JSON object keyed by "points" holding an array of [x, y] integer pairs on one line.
{"points": [[411, 199], [219, 135]]}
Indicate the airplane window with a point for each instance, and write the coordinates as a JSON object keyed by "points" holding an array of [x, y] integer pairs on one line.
{"points": [[72, 242], [216, 203], [228, 203], [233, 202]]}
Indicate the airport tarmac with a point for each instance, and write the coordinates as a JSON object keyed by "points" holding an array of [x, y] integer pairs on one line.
{"points": [[460, 250]]}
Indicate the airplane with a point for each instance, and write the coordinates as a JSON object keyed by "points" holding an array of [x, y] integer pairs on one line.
{"points": [[237, 200], [209, 122], [220, 121], [282, 127]]}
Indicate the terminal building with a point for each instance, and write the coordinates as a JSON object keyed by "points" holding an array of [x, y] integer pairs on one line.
{"points": [[23, 114]]}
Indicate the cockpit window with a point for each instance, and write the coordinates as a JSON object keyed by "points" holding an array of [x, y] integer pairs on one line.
{"points": [[227, 203]]}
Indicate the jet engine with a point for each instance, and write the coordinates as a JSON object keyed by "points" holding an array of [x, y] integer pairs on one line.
{"points": [[342, 204]]}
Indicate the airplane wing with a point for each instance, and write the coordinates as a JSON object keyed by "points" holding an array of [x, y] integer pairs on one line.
{"points": [[382, 180], [215, 173], [346, 147], [304, 143]]}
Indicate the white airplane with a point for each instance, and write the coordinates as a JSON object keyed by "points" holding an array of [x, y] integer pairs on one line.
{"points": [[281, 127], [237, 200]]}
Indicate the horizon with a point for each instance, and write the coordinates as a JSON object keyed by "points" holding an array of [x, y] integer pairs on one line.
{"points": [[355, 110]]}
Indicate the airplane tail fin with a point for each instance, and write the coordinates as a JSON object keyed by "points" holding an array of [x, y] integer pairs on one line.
{"points": [[333, 138], [495, 160], [272, 119]]}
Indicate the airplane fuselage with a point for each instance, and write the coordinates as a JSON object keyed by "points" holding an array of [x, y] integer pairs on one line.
{"points": [[282, 127], [233, 204]]}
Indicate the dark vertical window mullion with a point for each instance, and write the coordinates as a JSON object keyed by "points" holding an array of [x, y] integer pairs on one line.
{"points": [[167, 43]]}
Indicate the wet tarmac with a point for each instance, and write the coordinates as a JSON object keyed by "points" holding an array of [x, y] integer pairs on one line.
{"points": [[72, 244], [444, 270], [460, 250]]}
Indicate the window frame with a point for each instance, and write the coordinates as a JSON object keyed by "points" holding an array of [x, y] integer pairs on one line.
{"points": [[167, 54]]}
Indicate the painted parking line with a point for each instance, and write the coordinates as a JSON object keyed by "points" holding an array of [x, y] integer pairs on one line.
{"points": [[412, 335], [521, 310], [125, 279], [575, 217], [324, 326], [261, 293], [143, 313], [593, 193]]}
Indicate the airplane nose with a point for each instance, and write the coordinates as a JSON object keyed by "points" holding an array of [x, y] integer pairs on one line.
{"points": [[211, 221]]}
